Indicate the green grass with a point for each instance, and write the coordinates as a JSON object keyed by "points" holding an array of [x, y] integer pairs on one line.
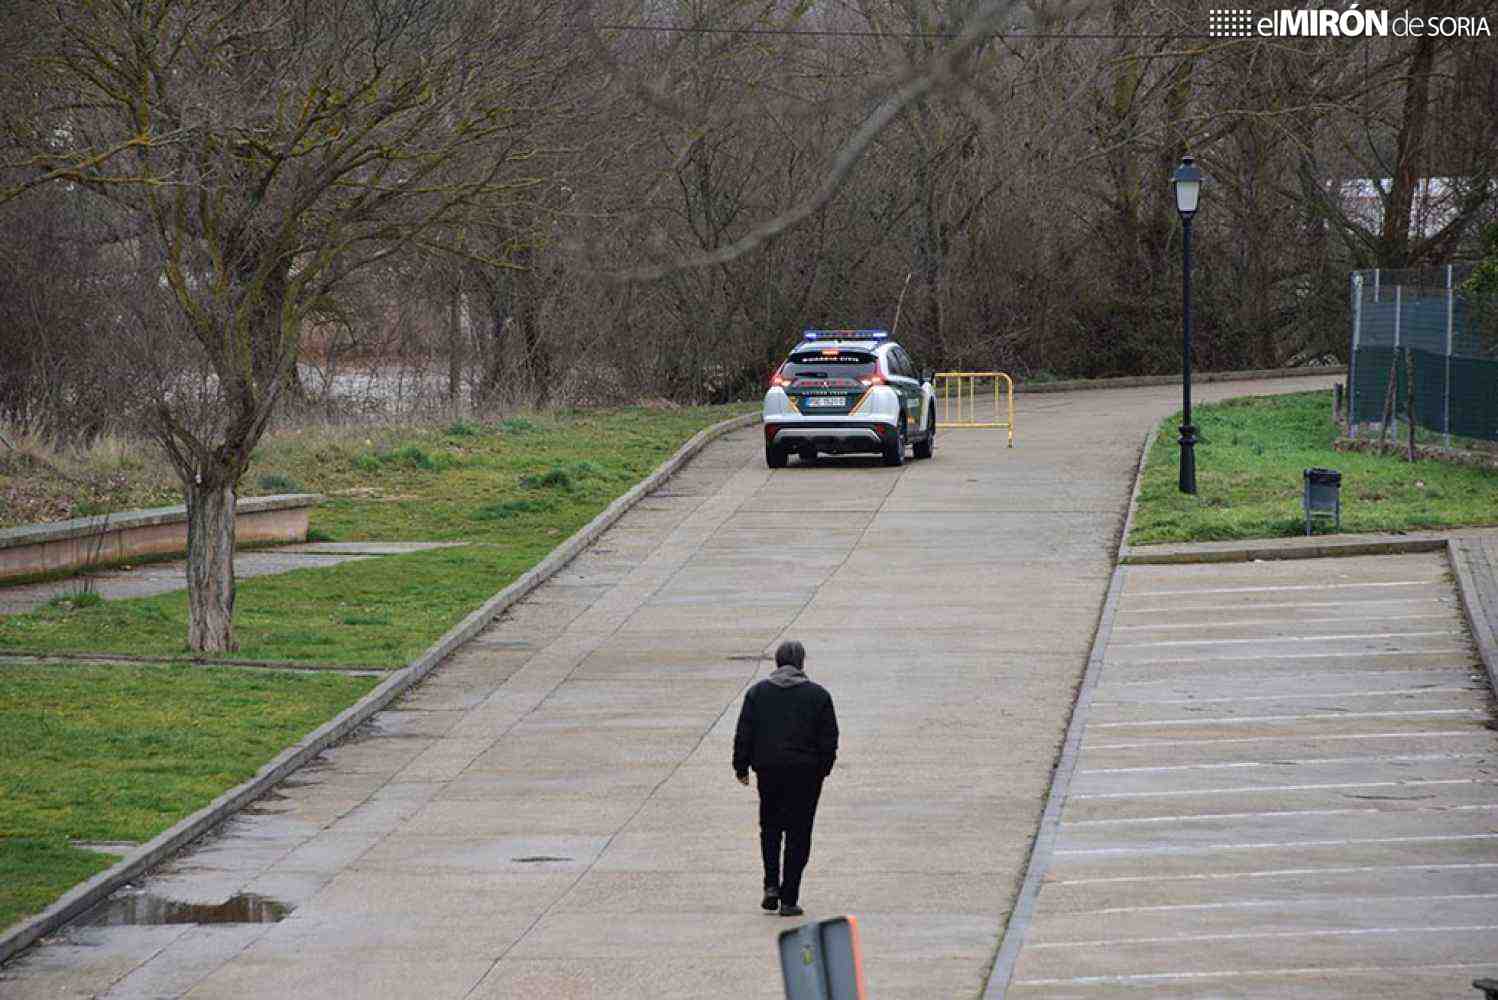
{"points": [[120, 753], [1249, 460], [514, 490]]}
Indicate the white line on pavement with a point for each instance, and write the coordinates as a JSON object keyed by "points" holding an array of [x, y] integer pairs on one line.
{"points": [[1314, 970], [1293, 697], [1318, 737], [1260, 789], [1264, 621], [1245, 904], [1264, 814], [1273, 873], [1294, 604], [1277, 589], [1239, 720], [1286, 638], [1278, 845], [1359, 653], [1299, 762], [1251, 935]]}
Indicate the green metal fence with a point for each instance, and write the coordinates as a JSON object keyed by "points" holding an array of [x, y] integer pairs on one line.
{"points": [[1419, 318]]}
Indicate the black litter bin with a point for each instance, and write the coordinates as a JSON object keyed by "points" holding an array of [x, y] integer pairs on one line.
{"points": [[1322, 494]]}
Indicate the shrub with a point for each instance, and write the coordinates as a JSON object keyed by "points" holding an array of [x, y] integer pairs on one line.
{"points": [[319, 535], [509, 508], [365, 462], [82, 599], [554, 478], [517, 425]]}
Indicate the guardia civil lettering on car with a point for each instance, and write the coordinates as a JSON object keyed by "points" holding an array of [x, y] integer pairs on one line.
{"points": [[846, 392]]}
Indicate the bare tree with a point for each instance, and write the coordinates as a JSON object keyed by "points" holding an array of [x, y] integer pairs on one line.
{"points": [[266, 153]]}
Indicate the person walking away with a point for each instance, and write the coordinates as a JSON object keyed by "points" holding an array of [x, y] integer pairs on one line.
{"points": [[787, 733]]}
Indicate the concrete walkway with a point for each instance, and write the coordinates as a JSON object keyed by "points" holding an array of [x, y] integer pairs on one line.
{"points": [[1287, 788], [553, 815], [153, 578]]}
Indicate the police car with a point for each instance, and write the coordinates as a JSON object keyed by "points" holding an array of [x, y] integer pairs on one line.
{"points": [[844, 392]]}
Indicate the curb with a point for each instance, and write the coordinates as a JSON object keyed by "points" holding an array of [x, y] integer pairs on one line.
{"points": [[1480, 621], [1041, 848], [1050, 820], [1144, 453], [1142, 381], [83, 897], [1251, 551]]}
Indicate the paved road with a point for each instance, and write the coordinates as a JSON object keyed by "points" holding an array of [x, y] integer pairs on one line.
{"points": [[553, 813], [1288, 788]]}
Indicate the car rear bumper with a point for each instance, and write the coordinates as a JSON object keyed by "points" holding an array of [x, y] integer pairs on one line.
{"points": [[829, 435]]}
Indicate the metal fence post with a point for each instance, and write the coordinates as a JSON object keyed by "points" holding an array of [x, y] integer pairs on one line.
{"points": [[1394, 361], [1450, 310], [1352, 358]]}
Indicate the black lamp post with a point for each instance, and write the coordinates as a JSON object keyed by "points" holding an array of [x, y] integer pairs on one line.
{"points": [[1187, 182]]}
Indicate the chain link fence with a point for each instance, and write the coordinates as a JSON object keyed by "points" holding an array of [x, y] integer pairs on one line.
{"points": [[1415, 326]]}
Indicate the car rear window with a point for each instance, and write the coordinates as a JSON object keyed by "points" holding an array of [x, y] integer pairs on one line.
{"points": [[842, 364]]}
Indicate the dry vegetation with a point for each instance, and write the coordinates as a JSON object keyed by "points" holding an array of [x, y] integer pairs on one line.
{"points": [[450, 206]]}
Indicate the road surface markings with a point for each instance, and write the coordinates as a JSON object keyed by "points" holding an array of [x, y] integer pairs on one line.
{"points": [[1299, 762], [1243, 720], [1275, 846], [1313, 970], [1274, 873], [1273, 813], [1261, 789], [1261, 640], [1251, 935]]}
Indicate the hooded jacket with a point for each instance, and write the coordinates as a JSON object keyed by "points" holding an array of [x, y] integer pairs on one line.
{"points": [[787, 720]]}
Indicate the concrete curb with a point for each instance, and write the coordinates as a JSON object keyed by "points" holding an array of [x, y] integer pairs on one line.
{"points": [[1050, 820], [1144, 453], [1249, 551], [1482, 621], [1143, 381], [83, 897], [1023, 911]]}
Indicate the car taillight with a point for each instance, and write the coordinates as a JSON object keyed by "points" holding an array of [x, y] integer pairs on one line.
{"points": [[871, 380], [779, 378]]}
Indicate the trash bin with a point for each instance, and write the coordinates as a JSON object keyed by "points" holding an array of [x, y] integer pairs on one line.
{"points": [[1322, 495]]}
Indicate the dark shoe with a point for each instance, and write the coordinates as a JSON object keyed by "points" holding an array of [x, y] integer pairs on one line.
{"points": [[790, 910], [771, 900]]}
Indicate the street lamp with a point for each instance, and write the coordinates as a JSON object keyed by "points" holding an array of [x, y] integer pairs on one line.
{"points": [[1187, 182]]}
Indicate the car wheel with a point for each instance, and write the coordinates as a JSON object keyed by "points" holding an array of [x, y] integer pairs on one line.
{"points": [[926, 445], [894, 449], [775, 457]]}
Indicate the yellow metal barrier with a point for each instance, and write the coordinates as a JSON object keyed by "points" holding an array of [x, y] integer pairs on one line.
{"points": [[957, 392]]}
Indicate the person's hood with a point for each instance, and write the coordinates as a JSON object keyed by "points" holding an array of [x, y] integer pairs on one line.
{"points": [[787, 676]]}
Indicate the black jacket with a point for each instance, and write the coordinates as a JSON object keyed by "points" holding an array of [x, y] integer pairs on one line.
{"points": [[785, 726]]}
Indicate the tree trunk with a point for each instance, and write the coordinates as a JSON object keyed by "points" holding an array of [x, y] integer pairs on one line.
{"points": [[454, 346], [1394, 241], [210, 568]]}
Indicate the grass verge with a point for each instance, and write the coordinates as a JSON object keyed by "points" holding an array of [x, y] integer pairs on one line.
{"points": [[512, 489], [119, 753], [1249, 459]]}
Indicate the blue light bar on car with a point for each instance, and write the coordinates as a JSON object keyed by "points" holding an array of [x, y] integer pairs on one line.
{"points": [[845, 335]]}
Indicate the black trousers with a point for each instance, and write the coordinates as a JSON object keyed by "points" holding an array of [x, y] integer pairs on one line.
{"points": [[787, 808]]}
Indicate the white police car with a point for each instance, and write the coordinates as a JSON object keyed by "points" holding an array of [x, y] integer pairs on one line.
{"points": [[848, 391]]}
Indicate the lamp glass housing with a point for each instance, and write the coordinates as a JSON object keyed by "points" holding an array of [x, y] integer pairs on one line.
{"points": [[1187, 181]]}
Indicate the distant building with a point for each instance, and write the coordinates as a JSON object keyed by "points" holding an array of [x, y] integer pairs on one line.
{"points": [[1435, 203]]}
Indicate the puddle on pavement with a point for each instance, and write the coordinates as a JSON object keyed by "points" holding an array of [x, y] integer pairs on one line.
{"points": [[147, 908]]}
